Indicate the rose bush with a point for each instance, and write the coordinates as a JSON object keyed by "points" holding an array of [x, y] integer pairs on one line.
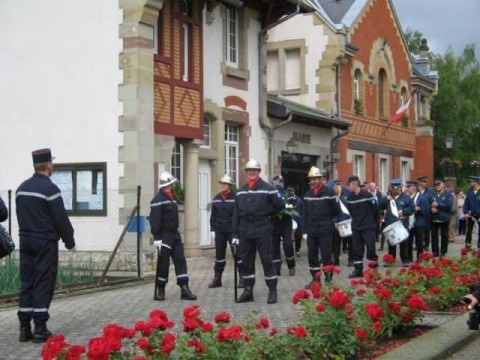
{"points": [[336, 321]]}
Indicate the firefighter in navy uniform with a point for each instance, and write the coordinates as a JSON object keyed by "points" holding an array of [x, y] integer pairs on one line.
{"points": [[320, 206], [255, 205], [441, 211], [221, 227], [42, 221], [405, 207], [282, 232], [427, 193], [164, 228], [363, 208]]}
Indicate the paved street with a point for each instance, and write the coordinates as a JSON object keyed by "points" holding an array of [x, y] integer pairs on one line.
{"points": [[82, 317]]}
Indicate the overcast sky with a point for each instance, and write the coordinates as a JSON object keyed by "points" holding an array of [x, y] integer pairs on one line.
{"points": [[444, 23]]}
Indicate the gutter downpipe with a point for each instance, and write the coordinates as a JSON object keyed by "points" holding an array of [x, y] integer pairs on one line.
{"points": [[262, 88], [333, 141]]}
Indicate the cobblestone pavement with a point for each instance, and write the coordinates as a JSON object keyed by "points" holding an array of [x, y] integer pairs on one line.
{"points": [[468, 352], [82, 317]]}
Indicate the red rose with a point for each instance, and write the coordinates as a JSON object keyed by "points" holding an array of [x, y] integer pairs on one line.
{"points": [[231, 333], [337, 298], [207, 327], [75, 352], [273, 332], [434, 291], [98, 349], [53, 346], [300, 295], [382, 293], [388, 259], [372, 264], [138, 357], [191, 311], [191, 323], [331, 268], [377, 326], [361, 334], [143, 343], [159, 323], [316, 289], [416, 302], [349, 309], [407, 318], [222, 317], [320, 308], [140, 325], [199, 347], [168, 343], [263, 323], [394, 307], [355, 282], [374, 311], [360, 291], [113, 334], [464, 251], [299, 331], [425, 256], [158, 313]]}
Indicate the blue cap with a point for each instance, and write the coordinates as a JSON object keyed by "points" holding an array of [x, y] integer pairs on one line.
{"points": [[353, 178], [412, 183], [438, 181], [396, 182], [277, 177], [331, 184]]}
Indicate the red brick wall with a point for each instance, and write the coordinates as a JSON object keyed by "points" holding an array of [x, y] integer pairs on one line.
{"points": [[423, 157]]}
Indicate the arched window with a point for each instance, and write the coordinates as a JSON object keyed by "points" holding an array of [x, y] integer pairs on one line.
{"points": [[403, 96], [382, 94], [357, 85]]}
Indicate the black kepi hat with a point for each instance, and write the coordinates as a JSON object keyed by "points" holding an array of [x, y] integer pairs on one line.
{"points": [[42, 156]]}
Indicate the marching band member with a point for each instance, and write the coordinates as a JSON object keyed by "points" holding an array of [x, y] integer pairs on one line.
{"points": [[441, 210], [418, 220]]}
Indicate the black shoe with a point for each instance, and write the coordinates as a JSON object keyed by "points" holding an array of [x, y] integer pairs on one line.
{"points": [[186, 293], [216, 282], [246, 296], [25, 331], [291, 271], [328, 277], [272, 296], [355, 274], [41, 333], [241, 283], [159, 293]]}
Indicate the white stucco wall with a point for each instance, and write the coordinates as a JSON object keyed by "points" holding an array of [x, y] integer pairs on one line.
{"points": [[214, 89], [298, 28], [58, 88]]}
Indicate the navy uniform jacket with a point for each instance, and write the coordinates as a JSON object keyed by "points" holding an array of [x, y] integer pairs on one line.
{"points": [[3, 211], [405, 203], [421, 215], [41, 213], [363, 208], [444, 201], [222, 213], [163, 217], [319, 211], [254, 209], [472, 203]]}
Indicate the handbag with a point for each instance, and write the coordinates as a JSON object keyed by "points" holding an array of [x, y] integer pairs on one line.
{"points": [[6, 243]]}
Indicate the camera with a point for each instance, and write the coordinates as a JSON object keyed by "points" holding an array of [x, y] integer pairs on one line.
{"points": [[474, 316]]}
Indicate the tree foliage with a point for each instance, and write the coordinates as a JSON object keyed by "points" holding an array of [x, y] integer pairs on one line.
{"points": [[413, 39]]}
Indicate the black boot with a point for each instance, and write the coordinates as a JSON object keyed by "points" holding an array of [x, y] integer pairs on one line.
{"points": [[241, 283], [328, 277], [159, 293], [357, 273], [272, 296], [41, 333], [217, 281], [25, 331], [291, 271], [247, 295], [187, 293]]}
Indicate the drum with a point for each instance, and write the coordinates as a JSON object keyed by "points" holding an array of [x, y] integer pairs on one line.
{"points": [[344, 228], [395, 233]]}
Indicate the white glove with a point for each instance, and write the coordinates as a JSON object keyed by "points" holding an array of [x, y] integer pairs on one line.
{"points": [[158, 244], [235, 241], [73, 249], [212, 235], [304, 236]]}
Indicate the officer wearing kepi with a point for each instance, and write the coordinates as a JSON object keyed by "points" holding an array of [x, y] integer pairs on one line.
{"points": [[164, 228], [255, 205], [221, 226], [320, 206], [42, 221]]}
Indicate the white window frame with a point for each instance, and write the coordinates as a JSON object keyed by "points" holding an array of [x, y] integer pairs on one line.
{"points": [[232, 17], [174, 166], [352, 156], [357, 93], [207, 134], [186, 51], [383, 179], [405, 172], [232, 143]]}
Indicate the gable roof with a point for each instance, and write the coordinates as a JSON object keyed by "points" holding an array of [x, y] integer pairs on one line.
{"points": [[339, 12]]}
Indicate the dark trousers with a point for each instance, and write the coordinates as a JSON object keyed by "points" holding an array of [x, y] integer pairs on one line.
{"points": [[283, 234], [462, 224], [427, 234], [336, 247], [404, 251], [298, 239], [221, 241], [324, 243], [173, 248], [38, 274], [470, 222], [360, 240], [416, 235], [442, 228], [247, 251]]}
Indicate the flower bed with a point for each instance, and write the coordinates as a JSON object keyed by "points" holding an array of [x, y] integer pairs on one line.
{"points": [[337, 322]]}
